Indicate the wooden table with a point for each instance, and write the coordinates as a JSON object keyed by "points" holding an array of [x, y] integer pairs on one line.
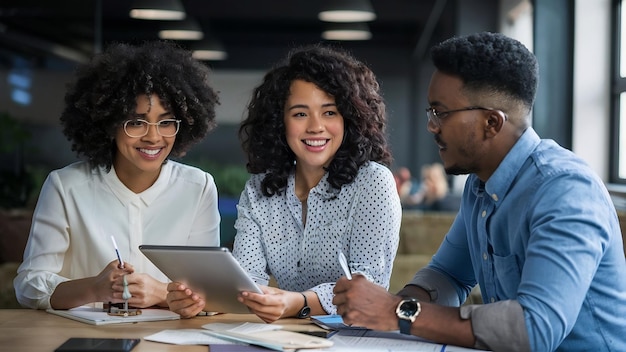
{"points": [[30, 330]]}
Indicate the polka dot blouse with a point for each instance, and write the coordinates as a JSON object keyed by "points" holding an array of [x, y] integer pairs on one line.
{"points": [[362, 219]]}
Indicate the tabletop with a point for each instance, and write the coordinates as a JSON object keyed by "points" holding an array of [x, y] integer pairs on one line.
{"points": [[30, 330]]}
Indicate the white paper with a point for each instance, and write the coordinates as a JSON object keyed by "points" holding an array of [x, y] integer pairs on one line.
{"points": [[243, 328], [186, 337], [388, 342]]}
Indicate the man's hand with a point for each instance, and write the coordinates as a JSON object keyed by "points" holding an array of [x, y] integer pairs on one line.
{"points": [[363, 303]]}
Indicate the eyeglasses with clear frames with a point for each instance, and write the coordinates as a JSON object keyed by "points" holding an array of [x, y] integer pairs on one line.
{"points": [[435, 116], [139, 128]]}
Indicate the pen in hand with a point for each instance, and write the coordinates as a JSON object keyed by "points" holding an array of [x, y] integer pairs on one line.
{"points": [[117, 252], [343, 262]]}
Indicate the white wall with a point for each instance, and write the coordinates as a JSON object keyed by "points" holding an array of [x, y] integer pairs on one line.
{"points": [[591, 129], [591, 100]]}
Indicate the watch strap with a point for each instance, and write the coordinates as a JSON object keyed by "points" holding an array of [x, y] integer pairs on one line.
{"points": [[306, 310], [407, 310], [405, 326]]}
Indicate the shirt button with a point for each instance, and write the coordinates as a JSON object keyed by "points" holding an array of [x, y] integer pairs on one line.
{"points": [[485, 256], [494, 197], [484, 213], [492, 300]]}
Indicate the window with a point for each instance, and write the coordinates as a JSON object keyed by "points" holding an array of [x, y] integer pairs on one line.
{"points": [[618, 96]]}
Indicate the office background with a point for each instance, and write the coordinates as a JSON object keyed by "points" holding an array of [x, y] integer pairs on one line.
{"points": [[572, 40]]}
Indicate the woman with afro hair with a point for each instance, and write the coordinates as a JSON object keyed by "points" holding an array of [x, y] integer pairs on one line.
{"points": [[126, 112], [319, 156]]}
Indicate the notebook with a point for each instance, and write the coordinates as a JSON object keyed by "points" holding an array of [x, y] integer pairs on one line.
{"points": [[212, 272], [97, 316]]}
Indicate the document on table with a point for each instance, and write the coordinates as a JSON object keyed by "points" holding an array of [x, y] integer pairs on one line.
{"points": [[205, 337], [345, 341], [186, 337], [352, 338], [382, 341], [266, 335], [97, 316]]}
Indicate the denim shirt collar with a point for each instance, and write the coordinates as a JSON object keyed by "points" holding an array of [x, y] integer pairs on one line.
{"points": [[498, 185]]}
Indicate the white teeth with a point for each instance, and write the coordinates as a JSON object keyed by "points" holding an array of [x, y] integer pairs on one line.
{"points": [[315, 143], [150, 151]]}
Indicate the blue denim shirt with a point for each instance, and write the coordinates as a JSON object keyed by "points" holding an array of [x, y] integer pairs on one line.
{"points": [[542, 231]]}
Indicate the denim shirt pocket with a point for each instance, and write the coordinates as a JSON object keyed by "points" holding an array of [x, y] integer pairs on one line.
{"points": [[507, 276]]}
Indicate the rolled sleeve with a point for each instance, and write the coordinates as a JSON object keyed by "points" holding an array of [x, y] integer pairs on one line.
{"points": [[498, 326]]}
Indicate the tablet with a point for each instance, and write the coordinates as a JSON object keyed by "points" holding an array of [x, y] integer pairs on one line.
{"points": [[212, 272]]}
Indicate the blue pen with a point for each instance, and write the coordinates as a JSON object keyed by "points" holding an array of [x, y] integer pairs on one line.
{"points": [[117, 252]]}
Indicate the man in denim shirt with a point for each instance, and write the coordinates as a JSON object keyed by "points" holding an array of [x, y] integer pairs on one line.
{"points": [[537, 229]]}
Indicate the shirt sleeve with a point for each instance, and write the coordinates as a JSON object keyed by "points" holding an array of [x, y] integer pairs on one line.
{"points": [[248, 246], [571, 231], [45, 250], [453, 264], [498, 326]]}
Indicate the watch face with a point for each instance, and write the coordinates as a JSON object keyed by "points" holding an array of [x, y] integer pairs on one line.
{"points": [[305, 312], [408, 308]]}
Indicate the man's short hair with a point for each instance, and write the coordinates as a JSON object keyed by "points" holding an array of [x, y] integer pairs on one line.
{"points": [[490, 61]]}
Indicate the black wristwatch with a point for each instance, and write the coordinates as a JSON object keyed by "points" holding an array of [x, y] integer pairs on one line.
{"points": [[306, 310], [407, 311]]}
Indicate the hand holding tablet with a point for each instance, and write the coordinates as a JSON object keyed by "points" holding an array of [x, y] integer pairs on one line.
{"points": [[212, 272]]}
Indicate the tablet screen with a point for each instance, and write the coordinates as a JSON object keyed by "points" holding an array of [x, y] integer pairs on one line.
{"points": [[212, 272]]}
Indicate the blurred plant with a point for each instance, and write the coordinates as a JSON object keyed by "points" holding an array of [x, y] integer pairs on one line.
{"points": [[229, 178], [12, 133], [16, 183]]}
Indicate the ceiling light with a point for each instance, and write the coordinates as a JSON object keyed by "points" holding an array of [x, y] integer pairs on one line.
{"points": [[187, 29], [347, 31], [157, 10], [347, 11], [208, 50]]}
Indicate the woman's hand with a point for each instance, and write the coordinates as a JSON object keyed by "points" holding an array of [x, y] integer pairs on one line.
{"points": [[105, 282], [99, 288], [273, 304], [183, 301], [145, 290]]}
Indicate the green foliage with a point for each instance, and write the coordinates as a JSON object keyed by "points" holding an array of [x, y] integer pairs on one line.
{"points": [[16, 184], [229, 178], [12, 133]]}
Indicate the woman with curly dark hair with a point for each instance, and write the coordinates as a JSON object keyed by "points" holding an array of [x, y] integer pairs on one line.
{"points": [[126, 112], [318, 154]]}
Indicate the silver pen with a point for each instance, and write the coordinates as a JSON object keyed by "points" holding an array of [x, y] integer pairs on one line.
{"points": [[343, 262], [117, 252]]}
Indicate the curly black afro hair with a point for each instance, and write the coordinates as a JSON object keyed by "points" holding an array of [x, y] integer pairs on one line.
{"points": [[104, 92], [490, 61], [358, 98]]}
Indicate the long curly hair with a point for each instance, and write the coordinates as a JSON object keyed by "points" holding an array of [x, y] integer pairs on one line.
{"points": [[104, 92], [358, 98], [490, 61]]}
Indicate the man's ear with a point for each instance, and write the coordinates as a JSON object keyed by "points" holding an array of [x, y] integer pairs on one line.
{"points": [[495, 121]]}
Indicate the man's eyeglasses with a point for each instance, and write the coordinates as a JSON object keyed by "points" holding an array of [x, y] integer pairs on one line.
{"points": [[139, 128], [435, 116]]}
